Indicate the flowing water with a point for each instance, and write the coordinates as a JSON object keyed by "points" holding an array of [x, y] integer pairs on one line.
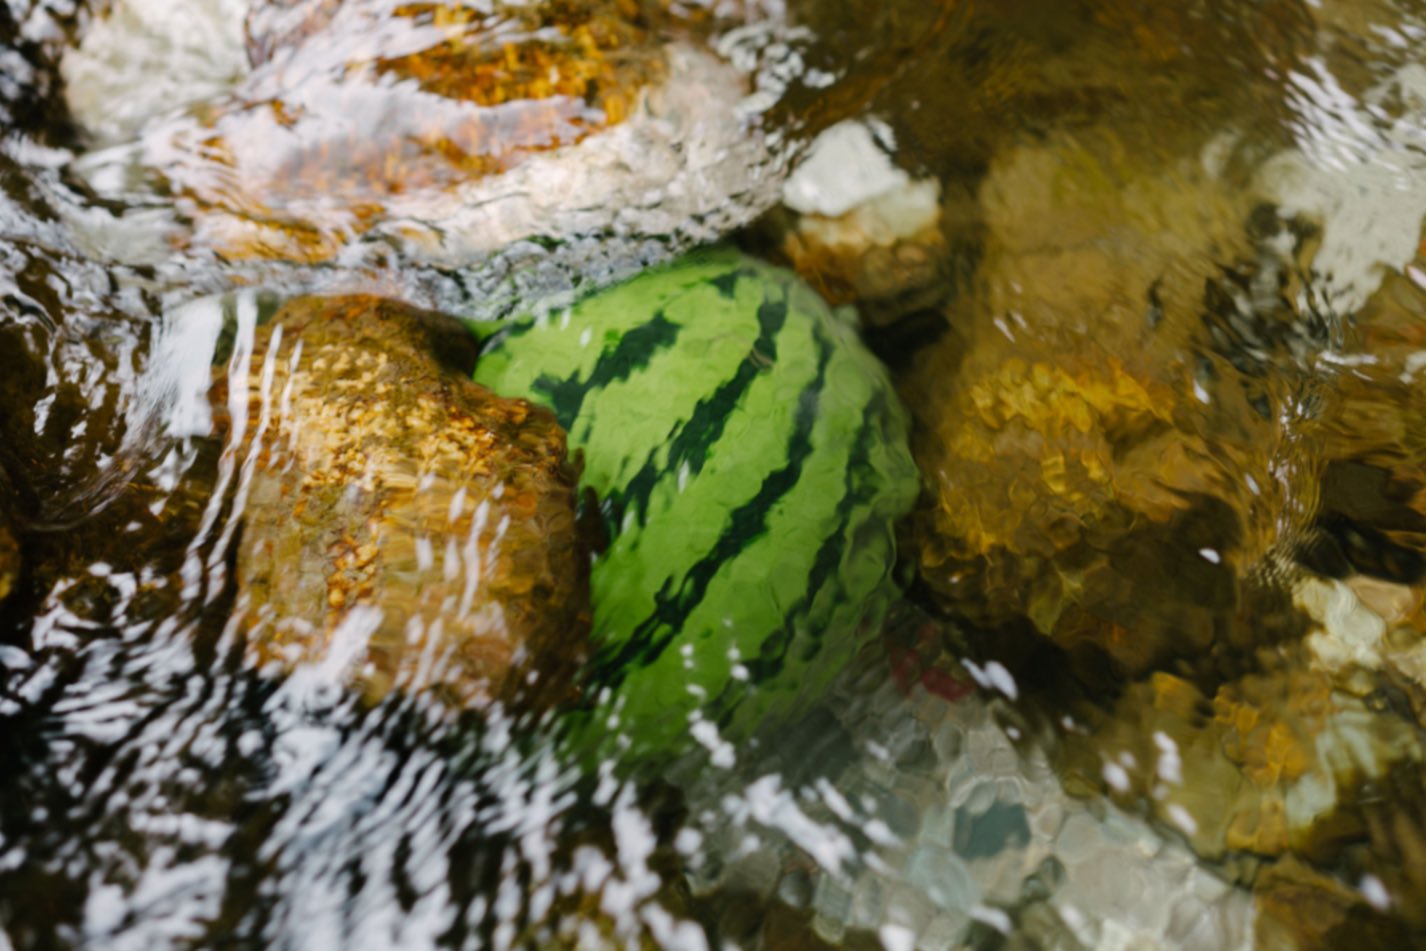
{"points": [[1149, 279]]}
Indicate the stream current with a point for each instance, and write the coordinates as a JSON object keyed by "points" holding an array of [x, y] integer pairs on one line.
{"points": [[1148, 277]]}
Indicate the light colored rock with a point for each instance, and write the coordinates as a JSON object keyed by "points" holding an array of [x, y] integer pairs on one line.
{"points": [[145, 58], [1278, 761], [603, 140], [979, 831], [860, 229], [1358, 169], [846, 166]]}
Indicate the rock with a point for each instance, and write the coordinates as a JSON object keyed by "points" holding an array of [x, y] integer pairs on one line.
{"points": [[600, 26], [467, 102], [1376, 419], [1099, 467], [861, 230], [146, 57], [1369, 535], [1370, 219], [568, 70], [401, 524], [9, 546], [960, 794], [71, 345], [275, 25], [1304, 910], [1009, 73], [1273, 763], [452, 132]]}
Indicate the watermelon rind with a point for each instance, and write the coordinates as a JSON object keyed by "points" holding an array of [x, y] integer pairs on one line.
{"points": [[751, 461]]}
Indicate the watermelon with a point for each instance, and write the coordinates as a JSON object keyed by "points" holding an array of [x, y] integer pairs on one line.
{"points": [[751, 461]]}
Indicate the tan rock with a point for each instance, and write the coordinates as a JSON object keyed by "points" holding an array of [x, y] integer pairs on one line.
{"points": [[887, 255], [1097, 467], [1164, 75], [458, 93], [1270, 764], [402, 525], [437, 133], [1376, 416], [1301, 909]]}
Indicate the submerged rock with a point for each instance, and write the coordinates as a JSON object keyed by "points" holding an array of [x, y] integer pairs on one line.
{"points": [[1305, 780], [951, 819], [1165, 76], [432, 96], [400, 523], [1375, 422], [1098, 467], [860, 229], [145, 57], [1271, 764], [1303, 909], [272, 26], [9, 546], [450, 132]]}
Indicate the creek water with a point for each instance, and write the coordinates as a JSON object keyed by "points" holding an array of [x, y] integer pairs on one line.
{"points": [[1148, 277]]}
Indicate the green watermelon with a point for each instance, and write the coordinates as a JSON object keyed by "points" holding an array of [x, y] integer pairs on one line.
{"points": [[750, 458]]}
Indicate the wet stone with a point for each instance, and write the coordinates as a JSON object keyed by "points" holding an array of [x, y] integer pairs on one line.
{"points": [[9, 546], [589, 58], [1274, 763], [1021, 69], [391, 123], [273, 26], [1089, 444], [1369, 534], [402, 524], [860, 229], [482, 90], [1298, 907]]}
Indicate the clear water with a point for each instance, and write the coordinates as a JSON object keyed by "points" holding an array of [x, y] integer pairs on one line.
{"points": [[1150, 282]]}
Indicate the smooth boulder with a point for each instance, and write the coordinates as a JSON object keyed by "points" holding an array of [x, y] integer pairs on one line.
{"points": [[401, 524]]}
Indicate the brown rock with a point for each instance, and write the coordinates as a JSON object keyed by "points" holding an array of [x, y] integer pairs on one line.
{"points": [[1371, 436], [1097, 467], [276, 25], [9, 546], [401, 521], [589, 52], [1373, 430], [1300, 909], [1270, 764], [1164, 75], [887, 255]]}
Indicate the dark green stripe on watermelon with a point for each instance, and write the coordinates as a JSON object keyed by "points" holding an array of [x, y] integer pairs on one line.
{"points": [[751, 460], [857, 491], [829, 556], [745, 523], [705, 424], [630, 354]]}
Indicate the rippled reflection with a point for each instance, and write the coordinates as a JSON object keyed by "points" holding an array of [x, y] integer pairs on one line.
{"points": [[1150, 281]]}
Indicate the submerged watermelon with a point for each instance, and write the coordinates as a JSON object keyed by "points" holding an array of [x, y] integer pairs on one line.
{"points": [[751, 459]]}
